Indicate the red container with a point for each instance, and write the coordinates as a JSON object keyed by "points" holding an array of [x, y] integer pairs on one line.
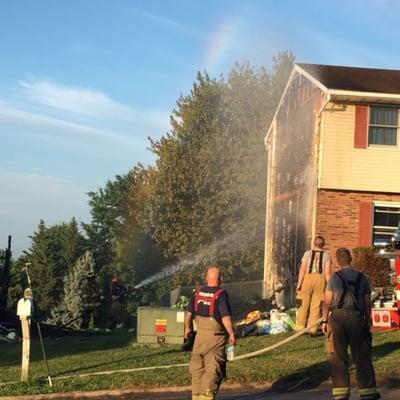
{"points": [[397, 266], [385, 318]]}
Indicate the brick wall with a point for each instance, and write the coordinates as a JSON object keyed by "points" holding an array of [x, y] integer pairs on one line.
{"points": [[338, 216]]}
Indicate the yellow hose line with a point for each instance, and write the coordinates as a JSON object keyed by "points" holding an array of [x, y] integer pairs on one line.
{"points": [[238, 358], [121, 371], [242, 357], [281, 343]]}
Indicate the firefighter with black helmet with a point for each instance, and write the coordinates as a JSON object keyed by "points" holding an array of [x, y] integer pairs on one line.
{"points": [[210, 308], [91, 294]]}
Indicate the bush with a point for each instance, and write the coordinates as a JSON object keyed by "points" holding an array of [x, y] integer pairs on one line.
{"points": [[366, 260]]}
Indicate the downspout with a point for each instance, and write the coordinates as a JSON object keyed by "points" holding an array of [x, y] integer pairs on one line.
{"points": [[317, 164], [270, 148], [265, 275]]}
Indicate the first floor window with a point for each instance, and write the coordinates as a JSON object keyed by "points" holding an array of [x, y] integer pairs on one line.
{"points": [[386, 221], [383, 125]]}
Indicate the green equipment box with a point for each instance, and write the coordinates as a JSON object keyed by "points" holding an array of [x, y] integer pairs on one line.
{"points": [[162, 325]]}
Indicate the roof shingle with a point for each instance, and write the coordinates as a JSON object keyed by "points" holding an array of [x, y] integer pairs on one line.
{"points": [[354, 78]]}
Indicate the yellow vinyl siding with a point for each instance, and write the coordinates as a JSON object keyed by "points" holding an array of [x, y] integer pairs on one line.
{"points": [[344, 167]]}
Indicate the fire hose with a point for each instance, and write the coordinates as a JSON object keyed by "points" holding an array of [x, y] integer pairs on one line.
{"points": [[158, 367]]}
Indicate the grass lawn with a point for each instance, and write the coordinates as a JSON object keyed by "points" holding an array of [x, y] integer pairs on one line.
{"points": [[304, 357]]}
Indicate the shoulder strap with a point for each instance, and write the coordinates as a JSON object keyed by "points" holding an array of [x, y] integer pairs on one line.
{"points": [[358, 285], [214, 299], [344, 281], [311, 261], [321, 257], [320, 267], [196, 296]]}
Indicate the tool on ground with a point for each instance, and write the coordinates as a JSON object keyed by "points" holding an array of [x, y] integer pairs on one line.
{"points": [[44, 354]]}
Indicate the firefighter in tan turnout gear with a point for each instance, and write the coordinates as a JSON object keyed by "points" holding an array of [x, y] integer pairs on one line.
{"points": [[210, 308], [314, 272], [348, 297]]}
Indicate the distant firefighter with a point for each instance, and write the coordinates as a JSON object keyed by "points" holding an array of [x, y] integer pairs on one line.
{"points": [[91, 294], [118, 313]]}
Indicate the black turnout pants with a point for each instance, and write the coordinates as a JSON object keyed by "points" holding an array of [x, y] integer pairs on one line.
{"points": [[349, 330]]}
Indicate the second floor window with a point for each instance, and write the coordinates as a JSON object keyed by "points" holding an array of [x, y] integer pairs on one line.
{"points": [[383, 125]]}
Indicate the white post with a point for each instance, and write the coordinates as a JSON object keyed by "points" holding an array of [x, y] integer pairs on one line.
{"points": [[26, 347], [24, 311]]}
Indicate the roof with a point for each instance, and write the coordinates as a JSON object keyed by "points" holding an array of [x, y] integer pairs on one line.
{"points": [[355, 78]]}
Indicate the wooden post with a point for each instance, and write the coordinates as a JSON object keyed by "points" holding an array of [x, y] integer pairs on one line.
{"points": [[24, 311], [26, 346]]}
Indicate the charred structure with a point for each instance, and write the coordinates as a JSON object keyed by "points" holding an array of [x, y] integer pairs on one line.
{"points": [[331, 146]]}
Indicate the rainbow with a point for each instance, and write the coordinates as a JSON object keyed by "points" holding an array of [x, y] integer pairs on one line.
{"points": [[221, 42]]}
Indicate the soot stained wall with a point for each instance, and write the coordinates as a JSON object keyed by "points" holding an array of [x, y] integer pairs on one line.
{"points": [[293, 181]]}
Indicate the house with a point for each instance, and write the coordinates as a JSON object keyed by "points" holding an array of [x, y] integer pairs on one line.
{"points": [[333, 165]]}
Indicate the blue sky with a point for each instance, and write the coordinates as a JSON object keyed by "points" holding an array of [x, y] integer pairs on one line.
{"points": [[83, 83]]}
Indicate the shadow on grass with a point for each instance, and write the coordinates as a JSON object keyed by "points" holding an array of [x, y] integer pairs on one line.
{"points": [[64, 346], [314, 375], [384, 349]]}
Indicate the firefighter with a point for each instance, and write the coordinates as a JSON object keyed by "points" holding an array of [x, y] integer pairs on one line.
{"points": [[315, 271], [348, 296], [210, 308], [118, 313], [92, 297]]}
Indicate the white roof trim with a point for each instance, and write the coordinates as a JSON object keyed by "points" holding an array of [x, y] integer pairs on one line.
{"points": [[374, 95], [315, 81], [301, 71]]}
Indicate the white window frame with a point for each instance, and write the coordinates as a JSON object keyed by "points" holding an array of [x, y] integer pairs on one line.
{"points": [[384, 146], [387, 205]]}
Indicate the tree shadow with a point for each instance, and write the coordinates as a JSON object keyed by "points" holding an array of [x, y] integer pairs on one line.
{"points": [[314, 375], [57, 347]]}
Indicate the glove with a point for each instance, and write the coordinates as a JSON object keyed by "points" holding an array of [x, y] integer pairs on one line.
{"points": [[189, 342]]}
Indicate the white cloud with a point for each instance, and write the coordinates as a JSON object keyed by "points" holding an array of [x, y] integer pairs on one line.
{"points": [[39, 123], [89, 102], [74, 99], [27, 197], [80, 121]]}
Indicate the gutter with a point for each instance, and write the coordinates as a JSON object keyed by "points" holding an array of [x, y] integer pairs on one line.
{"points": [[363, 96]]}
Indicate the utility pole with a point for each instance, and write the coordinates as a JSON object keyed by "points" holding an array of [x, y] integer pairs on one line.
{"points": [[6, 275]]}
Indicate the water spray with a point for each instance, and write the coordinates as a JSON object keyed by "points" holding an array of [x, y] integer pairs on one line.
{"points": [[237, 240], [164, 273]]}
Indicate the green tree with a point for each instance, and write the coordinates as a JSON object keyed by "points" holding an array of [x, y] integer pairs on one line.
{"points": [[107, 208], [71, 305], [52, 252], [208, 200], [187, 172], [118, 225]]}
